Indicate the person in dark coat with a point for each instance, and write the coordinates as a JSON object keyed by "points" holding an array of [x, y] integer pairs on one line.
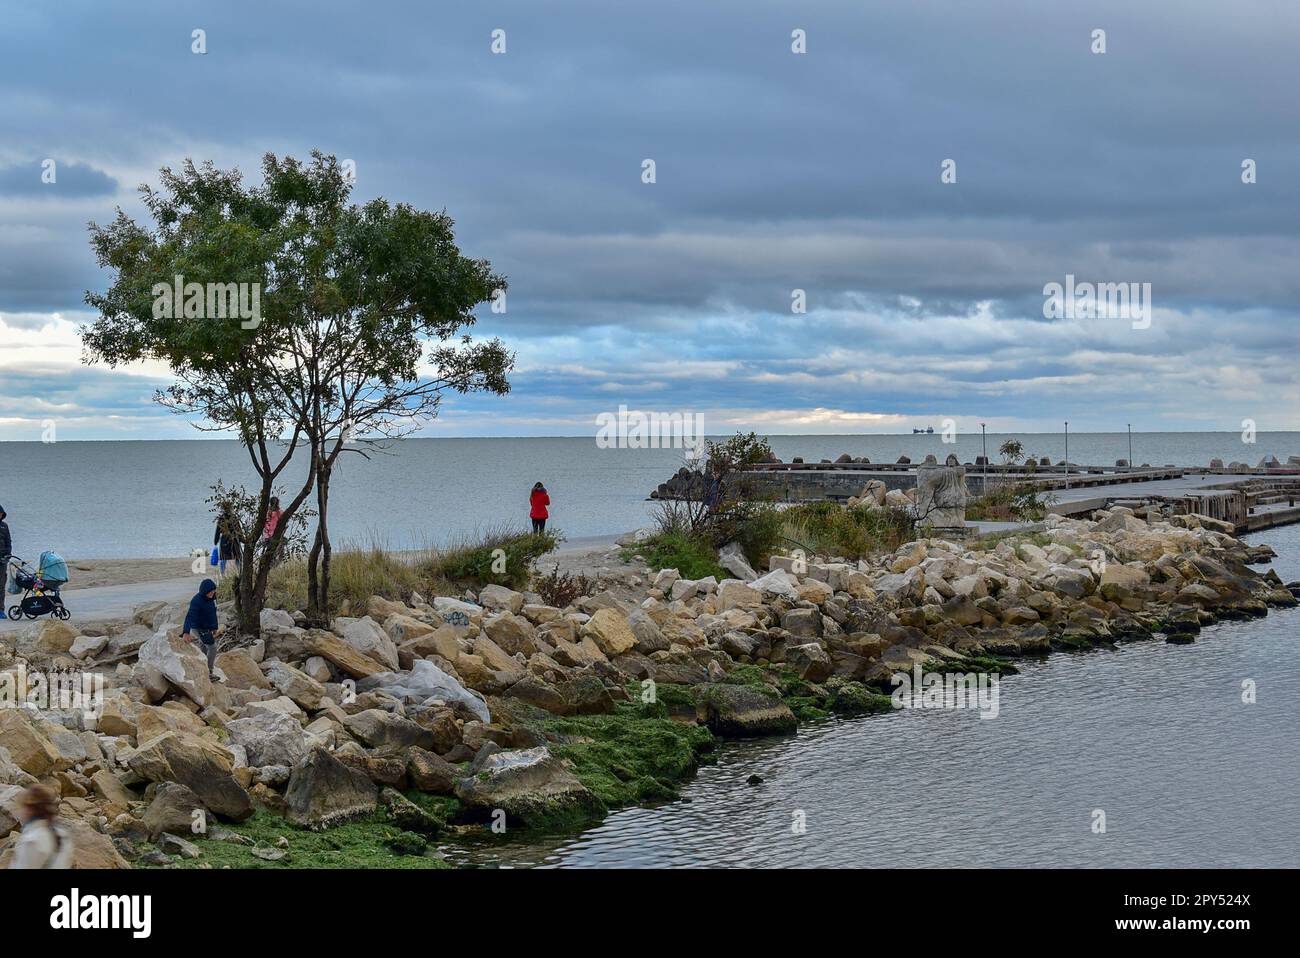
{"points": [[226, 539], [6, 550], [201, 621]]}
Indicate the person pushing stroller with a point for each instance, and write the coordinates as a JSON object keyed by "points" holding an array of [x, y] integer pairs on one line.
{"points": [[6, 550], [201, 621]]}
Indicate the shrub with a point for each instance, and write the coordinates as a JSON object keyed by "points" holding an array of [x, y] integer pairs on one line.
{"points": [[692, 555], [562, 589], [1013, 502], [358, 573], [825, 528], [355, 575], [473, 562]]}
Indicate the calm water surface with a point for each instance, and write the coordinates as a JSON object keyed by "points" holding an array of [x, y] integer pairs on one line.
{"points": [[1154, 735], [98, 500]]}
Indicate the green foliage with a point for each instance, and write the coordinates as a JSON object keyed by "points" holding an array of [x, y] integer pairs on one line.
{"points": [[362, 843], [1011, 503], [758, 527], [626, 757], [480, 561], [1011, 451], [694, 556], [854, 698], [357, 574], [826, 528], [408, 843], [737, 452], [358, 328]]}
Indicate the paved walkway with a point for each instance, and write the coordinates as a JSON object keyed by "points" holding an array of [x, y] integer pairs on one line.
{"points": [[110, 602], [116, 602]]}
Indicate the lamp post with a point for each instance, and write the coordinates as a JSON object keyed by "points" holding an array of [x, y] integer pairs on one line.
{"points": [[984, 445], [1130, 446], [1067, 454]]}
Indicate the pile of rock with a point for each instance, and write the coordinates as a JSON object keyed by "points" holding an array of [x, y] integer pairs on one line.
{"points": [[875, 495], [322, 726]]}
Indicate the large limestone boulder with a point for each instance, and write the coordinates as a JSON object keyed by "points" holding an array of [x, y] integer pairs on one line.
{"points": [[403, 628], [610, 631], [649, 637], [1070, 582], [498, 598], [129, 640], [512, 632], [55, 637], [381, 609], [305, 691], [240, 671], [276, 619], [802, 622], [27, 747], [323, 791], [333, 649], [441, 641], [202, 765], [426, 684], [369, 639], [117, 715], [152, 720], [457, 613], [738, 595], [174, 809], [530, 785], [1120, 581], [269, 738], [814, 591], [181, 663], [88, 646], [732, 558], [873, 492], [496, 658], [145, 613], [810, 660], [779, 583], [428, 772], [734, 711], [383, 730]]}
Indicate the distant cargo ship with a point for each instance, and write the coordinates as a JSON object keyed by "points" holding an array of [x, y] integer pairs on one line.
{"points": [[927, 431]]}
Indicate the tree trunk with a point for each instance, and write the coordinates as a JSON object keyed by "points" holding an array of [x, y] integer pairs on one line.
{"points": [[318, 562]]}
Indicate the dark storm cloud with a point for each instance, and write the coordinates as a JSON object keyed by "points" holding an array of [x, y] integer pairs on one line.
{"points": [[774, 172], [48, 179]]}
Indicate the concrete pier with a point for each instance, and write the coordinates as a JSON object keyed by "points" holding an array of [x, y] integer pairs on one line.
{"points": [[1250, 498]]}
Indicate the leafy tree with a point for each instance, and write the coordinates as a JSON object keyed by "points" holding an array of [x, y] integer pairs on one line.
{"points": [[209, 229], [1011, 451], [380, 333], [350, 296]]}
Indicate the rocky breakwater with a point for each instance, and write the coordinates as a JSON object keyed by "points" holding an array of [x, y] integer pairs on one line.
{"points": [[423, 718]]}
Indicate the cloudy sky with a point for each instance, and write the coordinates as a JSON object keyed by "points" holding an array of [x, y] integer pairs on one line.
{"points": [[775, 171]]}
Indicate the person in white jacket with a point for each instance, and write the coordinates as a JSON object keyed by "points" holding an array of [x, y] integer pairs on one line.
{"points": [[44, 843]]}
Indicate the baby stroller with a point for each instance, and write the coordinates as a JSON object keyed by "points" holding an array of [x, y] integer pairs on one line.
{"points": [[39, 587]]}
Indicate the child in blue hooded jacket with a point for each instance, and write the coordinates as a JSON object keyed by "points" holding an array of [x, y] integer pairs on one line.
{"points": [[201, 619]]}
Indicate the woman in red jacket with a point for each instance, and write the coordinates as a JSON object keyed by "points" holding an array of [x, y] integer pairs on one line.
{"points": [[538, 502]]}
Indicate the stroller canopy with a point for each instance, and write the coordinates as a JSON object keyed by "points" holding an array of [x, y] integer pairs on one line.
{"points": [[52, 568]]}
